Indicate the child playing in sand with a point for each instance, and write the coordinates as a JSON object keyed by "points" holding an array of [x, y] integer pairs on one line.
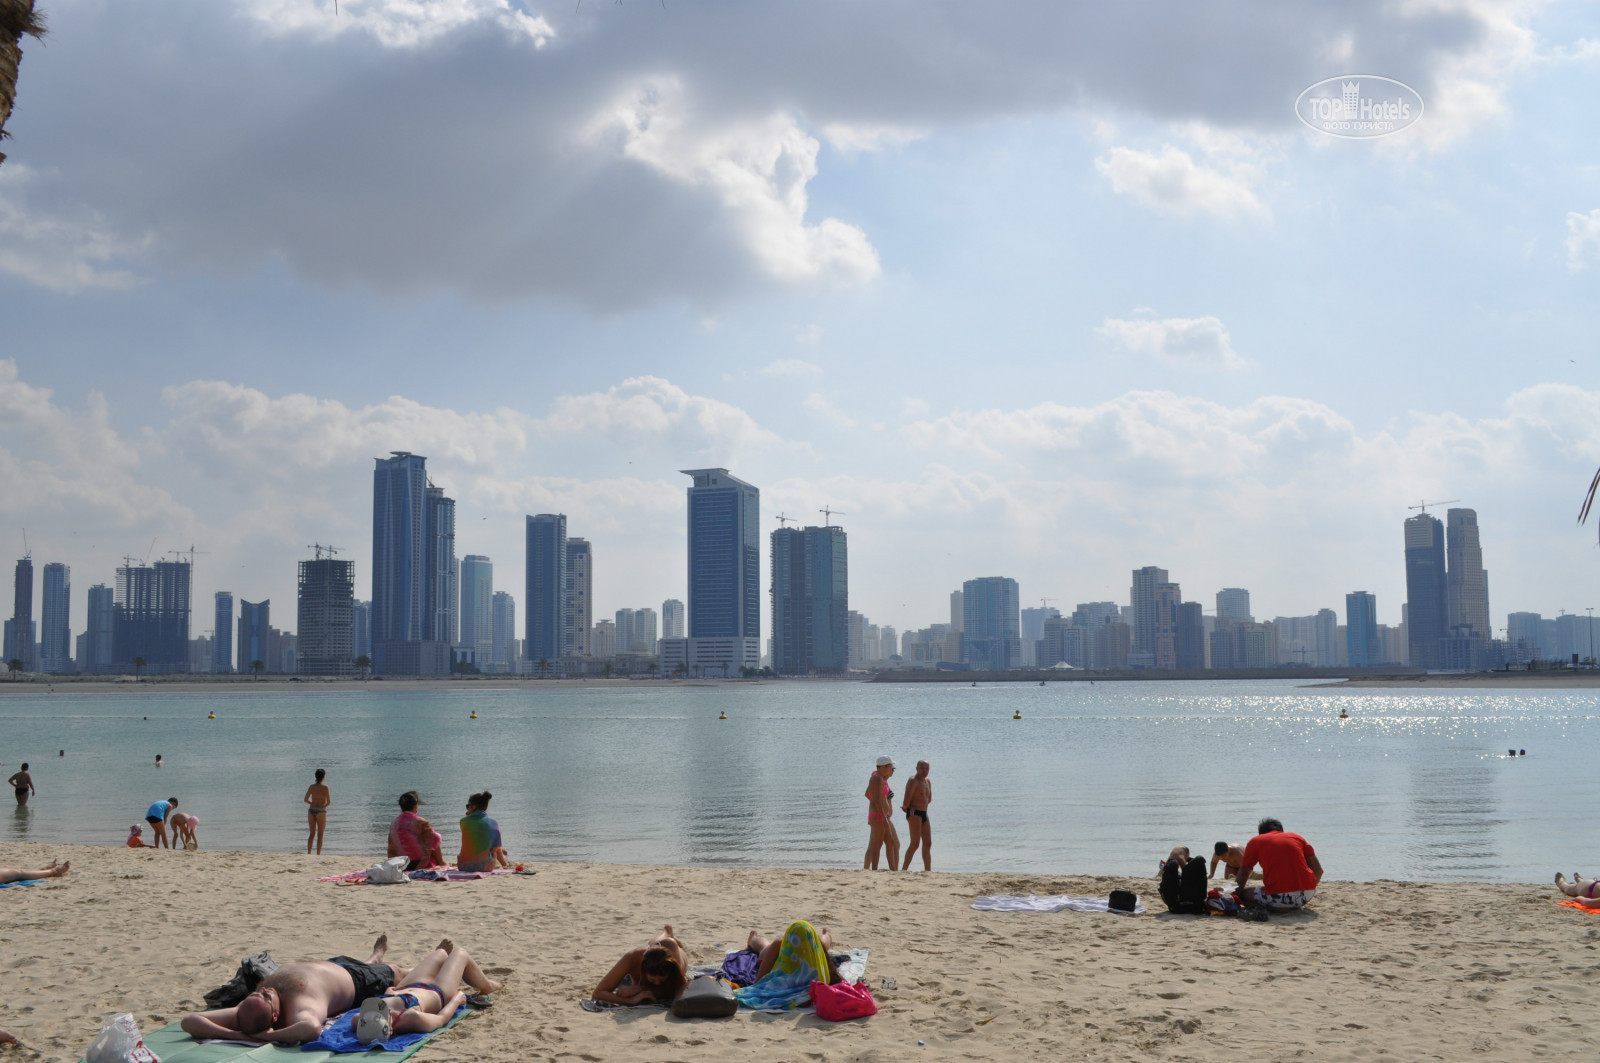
{"points": [[183, 828], [136, 837]]}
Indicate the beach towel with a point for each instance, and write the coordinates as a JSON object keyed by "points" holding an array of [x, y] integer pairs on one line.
{"points": [[1581, 908], [340, 1036], [741, 966], [448, 873], [24, 882], [1057, 903], [801, 960], [175, 1046], [853, 969]]}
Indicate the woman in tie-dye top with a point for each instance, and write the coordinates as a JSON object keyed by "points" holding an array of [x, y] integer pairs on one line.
{"points": [[480, 837]]}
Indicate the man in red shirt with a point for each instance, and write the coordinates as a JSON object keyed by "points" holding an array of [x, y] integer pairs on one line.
{"points": [[1290, 871]]}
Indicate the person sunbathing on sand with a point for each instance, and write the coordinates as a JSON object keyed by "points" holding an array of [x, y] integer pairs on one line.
{"points": [[26, 874], [657, 972], [1583, 890], [291, 1005], [768, 948], [425, 999]]}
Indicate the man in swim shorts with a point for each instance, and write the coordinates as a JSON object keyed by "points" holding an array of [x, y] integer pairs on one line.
{"points": [[22, 785], [292, 1004], [1290, 871], [919, 791]]}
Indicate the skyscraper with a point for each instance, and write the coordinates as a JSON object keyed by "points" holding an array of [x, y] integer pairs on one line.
{"points": [[1468, 583], [580, 598], [19, 646], [672, 619], [326, 640], [504, 655], [810, 600], [1361, 629], [636, 631], [100, 623], [255, 620], [724, 571], [1033, 631], [991, 622], [222, 634], [1233, 603], [399, 517], [545, 601], [55, 620], [477, 608], [361, 630], [1427, 612], [440, 618], [1142, 595], [1168, 597], [150, 618], [1189, 638]]}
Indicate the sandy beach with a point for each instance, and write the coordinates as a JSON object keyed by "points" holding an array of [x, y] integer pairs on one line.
{"points": [[1386, 969]]}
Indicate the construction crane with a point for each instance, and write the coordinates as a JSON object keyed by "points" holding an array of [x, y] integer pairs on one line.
{"points": [[178, 554], [1044, 603], [829, 514], [26, 553], [331, 551], [784, 520], [1425, 504]]}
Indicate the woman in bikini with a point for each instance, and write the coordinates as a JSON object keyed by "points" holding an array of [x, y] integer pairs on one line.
{"points": [[880, 817], [428, 997], [655, 973], [318, 798], [1586, 891]]}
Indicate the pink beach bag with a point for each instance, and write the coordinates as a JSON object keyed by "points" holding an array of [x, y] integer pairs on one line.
{"points": [[836, 1003]]}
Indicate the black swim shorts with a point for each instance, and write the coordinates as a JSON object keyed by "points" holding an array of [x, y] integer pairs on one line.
{"points": [[371, 979]]}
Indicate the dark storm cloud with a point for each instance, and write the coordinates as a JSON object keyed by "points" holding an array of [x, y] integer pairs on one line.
{"points": [[477, 162]]}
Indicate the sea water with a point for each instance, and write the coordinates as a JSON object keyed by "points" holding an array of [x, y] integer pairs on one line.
{"points": [[1094, 779]]}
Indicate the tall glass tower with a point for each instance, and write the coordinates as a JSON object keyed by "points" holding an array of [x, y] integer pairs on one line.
{"points": [[399, 512], [477, 608], [724, 556], [55, 627], [810, 600], [545, 602], [222, 634], [1427, 612]]}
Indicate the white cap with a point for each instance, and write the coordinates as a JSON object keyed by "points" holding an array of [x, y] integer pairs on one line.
{"points": [[885, 760]]}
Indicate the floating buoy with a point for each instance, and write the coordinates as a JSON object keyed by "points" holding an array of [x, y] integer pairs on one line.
{"points": [[211, 716], [474, 716], [723, 716], [1017, 715]]}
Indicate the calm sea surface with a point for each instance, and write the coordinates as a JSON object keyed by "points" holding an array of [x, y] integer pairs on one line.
{"points": [[1094, 779]]}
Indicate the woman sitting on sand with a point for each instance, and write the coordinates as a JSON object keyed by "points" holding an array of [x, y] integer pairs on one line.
{"points": [[480, 837], [655, 973], [413, 837], [425, 999], [28, 874], [1586, 891], [788, 966]]}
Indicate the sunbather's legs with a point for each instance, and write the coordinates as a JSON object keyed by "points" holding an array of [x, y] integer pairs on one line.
{"points": [[428, 970], [24, 874], [1579, 887]]}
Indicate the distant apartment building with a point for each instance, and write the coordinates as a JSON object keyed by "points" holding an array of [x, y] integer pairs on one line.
{"points": [[544, 609], [1033, 630], [991, 624], [1142, 595], [19, 629], [580, 598], [413, 570], [222, 633], [1524, 637], [55, 620], [812, 626], [603, 639], [724, 570], [635, 632], [1467, 584], [255, 620], [672, 619], [325, 642], [504, 653], [477, 608], [150, 619], [94, 650], [1362, 648], [1233, 603], [361, 630], [1427, 599]]}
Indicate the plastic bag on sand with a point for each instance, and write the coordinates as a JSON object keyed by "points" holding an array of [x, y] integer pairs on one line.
{"points": [[119, 1042], [391, 872]]}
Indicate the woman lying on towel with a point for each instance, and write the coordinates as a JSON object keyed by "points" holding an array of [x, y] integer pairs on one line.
{"points": [[425, 999], [788, 966], [655, 973], [1586, 891]]}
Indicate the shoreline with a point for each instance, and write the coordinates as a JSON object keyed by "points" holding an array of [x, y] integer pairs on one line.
{"points": [[1402, 968]]}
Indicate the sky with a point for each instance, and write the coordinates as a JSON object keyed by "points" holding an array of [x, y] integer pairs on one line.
{"points": [[1042, 290]]}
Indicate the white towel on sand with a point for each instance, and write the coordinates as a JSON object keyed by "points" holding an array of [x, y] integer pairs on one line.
{"points": [[1057, 903]]}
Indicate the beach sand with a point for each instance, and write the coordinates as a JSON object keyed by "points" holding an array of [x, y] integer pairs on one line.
{"points": [[1395, 970]]}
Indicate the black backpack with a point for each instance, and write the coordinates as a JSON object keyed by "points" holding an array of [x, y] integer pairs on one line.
{"points": [[1184, 887]]}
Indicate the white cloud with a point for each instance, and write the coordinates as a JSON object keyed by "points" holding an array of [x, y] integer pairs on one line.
{"points": [[824, 409], [792, 367], [1192, 341], [61, 253], [655, 413], [852, 138], [1583, 239], [1173, 182], [760, 170], [396, 23]]}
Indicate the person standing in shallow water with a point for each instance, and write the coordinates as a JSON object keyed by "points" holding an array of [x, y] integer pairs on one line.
{"points": [[22, 785], [919, 792], [318, 798]]}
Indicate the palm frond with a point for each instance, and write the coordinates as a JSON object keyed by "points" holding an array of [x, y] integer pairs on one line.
{"points": [[20, 18], [1588, 499]]}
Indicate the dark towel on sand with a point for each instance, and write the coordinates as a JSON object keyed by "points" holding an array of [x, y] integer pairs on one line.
{"points": [[252, 969]]}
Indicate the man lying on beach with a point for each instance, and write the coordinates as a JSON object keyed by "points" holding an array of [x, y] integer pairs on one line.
{"points": [[1290, 871], [27, 874], [291, 1005], [1583, 890]]}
